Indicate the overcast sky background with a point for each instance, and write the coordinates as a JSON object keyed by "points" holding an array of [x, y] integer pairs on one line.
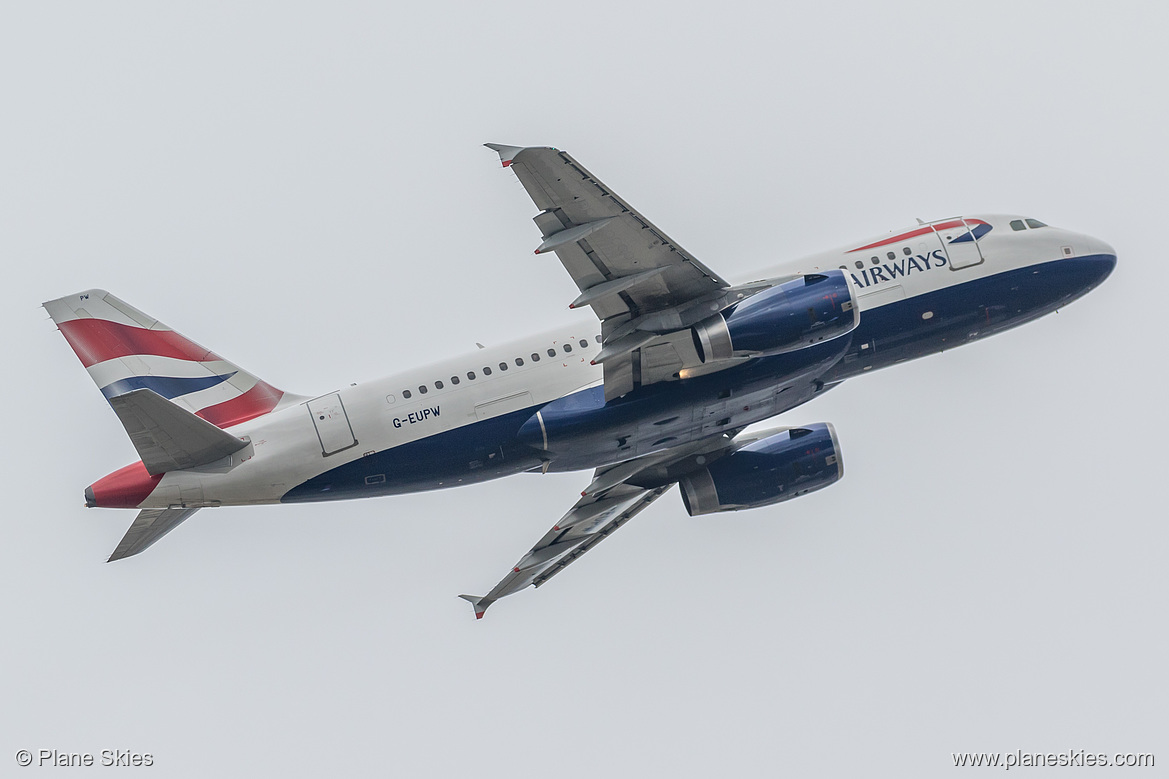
{"points": [[302, 188]]}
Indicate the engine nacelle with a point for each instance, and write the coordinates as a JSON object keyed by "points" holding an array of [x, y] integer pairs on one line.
{"points": [[766, 471], [786, 317]]}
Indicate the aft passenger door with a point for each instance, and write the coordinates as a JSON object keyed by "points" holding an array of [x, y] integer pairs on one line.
{"points": [[332, 424], [960, 242]]}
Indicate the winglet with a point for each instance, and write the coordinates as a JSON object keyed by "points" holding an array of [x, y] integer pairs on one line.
{"points": [[506, 153], [479, 602]]}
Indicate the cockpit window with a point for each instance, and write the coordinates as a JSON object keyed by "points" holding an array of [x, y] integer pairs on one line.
{"points": [[1035, 223], [1017, 224]]}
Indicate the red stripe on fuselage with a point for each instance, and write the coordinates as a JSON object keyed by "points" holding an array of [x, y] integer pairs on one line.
{"points": [[256, 402], [914, 233], [98, 340]]}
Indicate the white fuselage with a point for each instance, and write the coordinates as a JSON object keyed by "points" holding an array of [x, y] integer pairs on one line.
{"points": [[302, 440]]}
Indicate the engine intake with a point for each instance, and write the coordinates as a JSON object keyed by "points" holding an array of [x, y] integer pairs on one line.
{"points": [[766, 471], [786, 317]]}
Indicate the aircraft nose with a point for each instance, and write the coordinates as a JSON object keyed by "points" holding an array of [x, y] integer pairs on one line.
{"points": [[1096, 247], [1093, 259], [1100, 254]]}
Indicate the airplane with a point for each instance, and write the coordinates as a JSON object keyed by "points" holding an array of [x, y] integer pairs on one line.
{"points": [[660, 394]]}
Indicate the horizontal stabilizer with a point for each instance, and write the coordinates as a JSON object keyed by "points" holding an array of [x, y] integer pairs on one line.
{"points": [[149, 526], [168, 437]]}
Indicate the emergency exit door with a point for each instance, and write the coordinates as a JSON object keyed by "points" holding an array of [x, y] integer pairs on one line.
{"points": [[332, 424]]}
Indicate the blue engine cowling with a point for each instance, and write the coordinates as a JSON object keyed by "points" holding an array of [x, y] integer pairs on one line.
{"points": [[786, 317], [766, 471]]}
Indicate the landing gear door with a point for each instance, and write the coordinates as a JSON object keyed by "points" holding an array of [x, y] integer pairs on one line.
{"points": [[959, 239], [332, 424]]}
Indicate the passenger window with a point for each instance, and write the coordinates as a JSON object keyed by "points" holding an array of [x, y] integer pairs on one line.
{"points": [[438, 385], [486, 371], [406, 394], [454, 379], [535, 357], [907, 251], [423, 389], [568, 347], [891, 255], [597, 338], [519, 361], [859, 265], [1017, 224], [503, 366], [584, 344], [1035, 223], [551, 352], [875, 260], [471, 375]]}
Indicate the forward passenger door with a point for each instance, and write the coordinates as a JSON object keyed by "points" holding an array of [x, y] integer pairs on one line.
{"points": [[960, 243]]}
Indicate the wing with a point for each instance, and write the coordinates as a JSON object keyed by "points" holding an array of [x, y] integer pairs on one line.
{"points": [[619, 260], [639, 282], [617, 494], [149, 526], [589, 522]]}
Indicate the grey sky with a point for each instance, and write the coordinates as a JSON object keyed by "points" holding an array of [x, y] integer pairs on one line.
{"points": [[302, 189]]}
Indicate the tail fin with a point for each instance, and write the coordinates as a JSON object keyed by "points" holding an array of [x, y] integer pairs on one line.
{"points": [[125, 350]]}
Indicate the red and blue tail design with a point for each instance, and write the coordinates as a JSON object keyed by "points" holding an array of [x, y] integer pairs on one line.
{"points": [[124, 350]]}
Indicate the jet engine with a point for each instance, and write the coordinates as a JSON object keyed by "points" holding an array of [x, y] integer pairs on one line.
{"points": [[765, 471], [786, 317]]}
